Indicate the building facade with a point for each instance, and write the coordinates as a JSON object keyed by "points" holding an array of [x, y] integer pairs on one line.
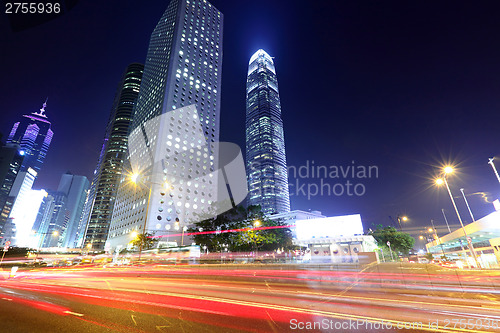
{"points": [[175, 125], [11, 158], [21, 192], [99, 206], [33, 135], [51, 221], [484, 235], [265, 143], [75, 188]]}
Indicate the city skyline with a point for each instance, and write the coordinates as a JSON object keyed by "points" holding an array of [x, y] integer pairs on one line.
{"points": [[386, 95]]}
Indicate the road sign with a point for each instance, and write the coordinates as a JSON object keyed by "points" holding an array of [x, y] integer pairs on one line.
{"points": [[469, 239], [6, 246], [388, 243]]}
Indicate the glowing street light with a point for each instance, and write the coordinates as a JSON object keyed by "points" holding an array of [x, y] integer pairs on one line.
{"points": [[447, 170], [401, 218], [134, 178]]}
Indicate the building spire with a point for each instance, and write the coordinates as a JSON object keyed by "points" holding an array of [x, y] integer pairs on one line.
{"points": [[42, 110]]}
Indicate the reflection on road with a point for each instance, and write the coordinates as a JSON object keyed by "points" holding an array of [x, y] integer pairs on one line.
{"points": [[253, 298]]}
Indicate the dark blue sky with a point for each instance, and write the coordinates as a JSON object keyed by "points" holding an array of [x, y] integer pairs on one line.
{"points": [[401, 85]]}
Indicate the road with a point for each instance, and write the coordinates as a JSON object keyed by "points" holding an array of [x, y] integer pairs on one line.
{"points": [[250, 298]]}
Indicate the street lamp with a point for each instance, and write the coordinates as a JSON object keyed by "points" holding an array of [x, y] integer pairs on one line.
{"points": [[467, 203], [256, 224], [437, 238], [490, 162], [184, 229], [401, 218], [440, 181]]}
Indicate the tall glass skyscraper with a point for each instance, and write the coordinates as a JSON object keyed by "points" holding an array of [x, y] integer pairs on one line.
{"points": [[33, 135], [10, 163], [176, 120], [265, 143], [96, 219], [75, 187]]}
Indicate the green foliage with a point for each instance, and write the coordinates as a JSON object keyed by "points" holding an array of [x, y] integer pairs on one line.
{"points": [[144, 241], [429, 256], [401, 242], [246, 237]]}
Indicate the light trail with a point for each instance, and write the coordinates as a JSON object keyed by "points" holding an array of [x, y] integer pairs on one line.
{"points": [[238, 308]]}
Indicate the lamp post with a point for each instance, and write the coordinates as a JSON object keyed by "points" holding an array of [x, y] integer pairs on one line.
{"points": [[438, 240], [490, 162], [462, 253], [256, 224], [404, 218], [448, 170], [467, 203], [184, 229], [390, 250]]}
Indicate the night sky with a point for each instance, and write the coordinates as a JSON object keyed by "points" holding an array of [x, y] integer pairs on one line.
{"points": [[402, 85]]}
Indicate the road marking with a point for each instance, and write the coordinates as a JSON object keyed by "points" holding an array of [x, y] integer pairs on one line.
{"points": [[74, 313]]}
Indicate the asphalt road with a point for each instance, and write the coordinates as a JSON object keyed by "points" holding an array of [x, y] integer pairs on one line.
{"points": [[245, 298]]}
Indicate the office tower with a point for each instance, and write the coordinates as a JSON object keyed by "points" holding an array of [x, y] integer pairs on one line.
{"points": [[51, 221], [102, 195], [19, 217], [75, 188], [265, 143], [181, 84], [11, 159], [33, 135]]}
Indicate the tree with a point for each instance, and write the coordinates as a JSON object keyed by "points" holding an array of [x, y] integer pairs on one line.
{"points": [[401, 242], [245, 234], [144, 241]]}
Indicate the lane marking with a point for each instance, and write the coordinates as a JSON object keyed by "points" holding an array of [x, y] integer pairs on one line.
{"points": [[74, 313]]}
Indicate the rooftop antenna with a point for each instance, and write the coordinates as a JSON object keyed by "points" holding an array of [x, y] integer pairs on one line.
{"points": [[42, 110]]}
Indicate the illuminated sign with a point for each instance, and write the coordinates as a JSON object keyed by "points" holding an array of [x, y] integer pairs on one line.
{"points": [[329, 227]]}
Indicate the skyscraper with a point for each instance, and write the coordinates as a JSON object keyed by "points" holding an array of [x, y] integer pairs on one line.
{"points": [[11, 159], [33, 135], [99, 206], [21, 217], [75, 188], [182, 79], [265, 143], [51, 220]]}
